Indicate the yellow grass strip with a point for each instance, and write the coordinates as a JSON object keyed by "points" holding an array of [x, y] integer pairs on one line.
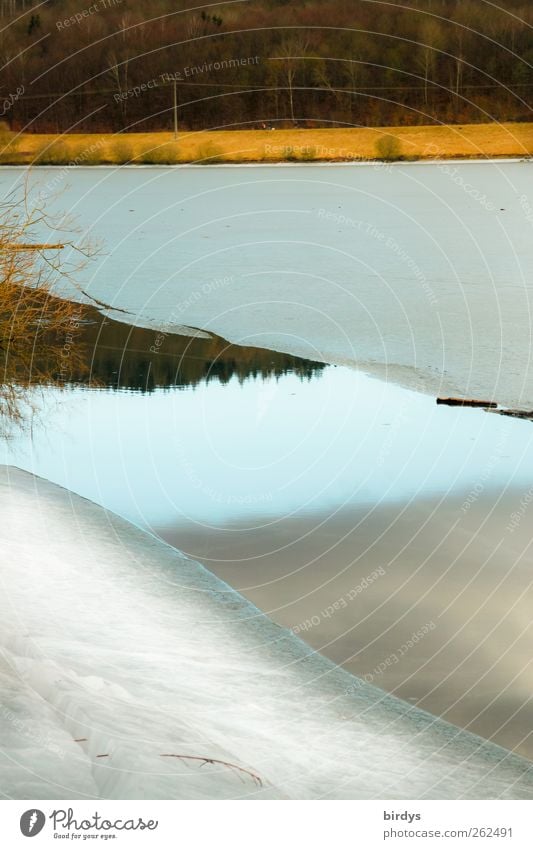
{"points": [[330, 145]]}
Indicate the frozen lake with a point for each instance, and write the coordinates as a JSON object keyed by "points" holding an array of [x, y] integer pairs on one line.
{"points": [[297, 482], [295, 479]]}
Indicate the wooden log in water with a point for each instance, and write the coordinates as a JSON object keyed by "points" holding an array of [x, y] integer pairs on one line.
{"points": [[467, 402]]}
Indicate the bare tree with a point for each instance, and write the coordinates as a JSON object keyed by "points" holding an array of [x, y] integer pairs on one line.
{"points": [[38, 328], [431, 38], [291, 54], [118, 71]]}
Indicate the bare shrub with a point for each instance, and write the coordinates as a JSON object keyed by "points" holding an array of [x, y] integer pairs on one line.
{"points": [[209, 154], [55, 153], [389, 148], [122, 152], [166, 154], [9, 143]]}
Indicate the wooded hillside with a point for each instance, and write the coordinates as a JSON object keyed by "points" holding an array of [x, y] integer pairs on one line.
{"points": [[109, 65]]}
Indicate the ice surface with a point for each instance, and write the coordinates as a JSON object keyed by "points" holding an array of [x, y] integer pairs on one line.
{"points": [[114, 640]]}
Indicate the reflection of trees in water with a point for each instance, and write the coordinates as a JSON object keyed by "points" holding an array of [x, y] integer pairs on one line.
{"points": [[125, 357], [64, 344]]}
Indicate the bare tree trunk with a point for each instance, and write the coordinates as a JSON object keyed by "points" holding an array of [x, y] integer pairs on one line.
{"points": [[290, 80]]}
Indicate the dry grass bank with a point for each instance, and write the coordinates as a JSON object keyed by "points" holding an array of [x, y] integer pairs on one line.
{"points": [[300, 145]]}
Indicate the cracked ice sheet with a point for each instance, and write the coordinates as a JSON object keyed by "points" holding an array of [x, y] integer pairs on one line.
{"points": [[115, 640]]}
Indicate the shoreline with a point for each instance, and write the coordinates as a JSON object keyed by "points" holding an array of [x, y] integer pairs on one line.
{"points": [[360, 163], [361, 145]]}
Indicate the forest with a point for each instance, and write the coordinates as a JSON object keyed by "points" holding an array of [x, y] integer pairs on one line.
{"points": [[116, 65]]}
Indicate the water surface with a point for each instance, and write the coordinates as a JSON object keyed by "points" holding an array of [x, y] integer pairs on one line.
{"points": [[352, 510]]}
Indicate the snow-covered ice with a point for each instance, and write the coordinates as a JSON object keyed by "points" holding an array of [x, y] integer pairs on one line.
{"points": [[117, 649]]}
